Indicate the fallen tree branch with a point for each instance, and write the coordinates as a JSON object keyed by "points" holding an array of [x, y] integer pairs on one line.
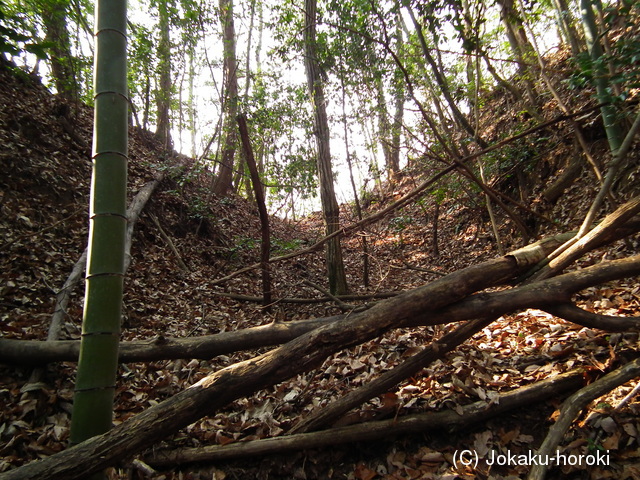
{"points": [[577, 246], [438, 348], [574, 405], [20, 351], [341, 305], [545, 295], [608, 323], [305, 353], [169, 243], [241, 379], [446, 420], [255, 299], [64, 295]]}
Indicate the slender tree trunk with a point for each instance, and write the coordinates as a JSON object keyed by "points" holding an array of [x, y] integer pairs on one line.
{"points": [[615, 133], [191, 105], [224, 180], [384, 126], [147, 103], [443, 85], [98, 362], [567, 26], [54, 17], [520, 45], [262, 209], [354, 189], [163, 94], [330, 208], [398, 115]]}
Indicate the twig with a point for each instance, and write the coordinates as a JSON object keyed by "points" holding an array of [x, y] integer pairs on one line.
{"points": [[169, 243], [343, 306], [575, 404], [408, 266]]}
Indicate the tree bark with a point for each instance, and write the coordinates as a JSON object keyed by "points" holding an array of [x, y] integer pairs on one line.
{"points": [[520, 46], [262, 210], [574, 404], [330, 208], [311, 349], [498, 272], [163, 94], [224, 180], [54, 19], [446, 420]]}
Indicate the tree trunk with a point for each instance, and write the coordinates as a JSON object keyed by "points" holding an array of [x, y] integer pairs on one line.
{"points": [[444, 420], [566, 22], [354, 189], [444, 86], [224, 180], [330, 208], [520, 46], [98, 362], [310, 350], [262, 209], [54, 18], [163, 93], [612, 125]]}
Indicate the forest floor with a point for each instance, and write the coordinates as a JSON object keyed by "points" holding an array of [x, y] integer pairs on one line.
{"points": [[44, 188]]}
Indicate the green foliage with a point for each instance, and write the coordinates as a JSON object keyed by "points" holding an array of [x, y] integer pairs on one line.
{"points": [[624, 57], [18, 35], [282, 121], [281, 247], [400, 223], [142, 59], [242, 245]]}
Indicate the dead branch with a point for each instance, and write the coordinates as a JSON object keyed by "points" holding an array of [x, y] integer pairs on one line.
{"points": [[241, 379], [330, 413], [169, 243], [605, 188], [255, 299], [341, 305], [446, 420], [308, 351], [544, 295], [576, 247], [575, 404], [262, 211], [64, 295], [35, 352], [609, 323]]}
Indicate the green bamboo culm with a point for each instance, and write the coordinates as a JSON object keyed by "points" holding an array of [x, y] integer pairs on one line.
{"points": [[98, 361], [612, 125]]}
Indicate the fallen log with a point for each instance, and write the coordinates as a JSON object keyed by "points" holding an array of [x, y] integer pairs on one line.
{"points": [[64, 295], [542, 296], [551, 295], [446, 420], [328, 414], [299, 355], [241, 379]]}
